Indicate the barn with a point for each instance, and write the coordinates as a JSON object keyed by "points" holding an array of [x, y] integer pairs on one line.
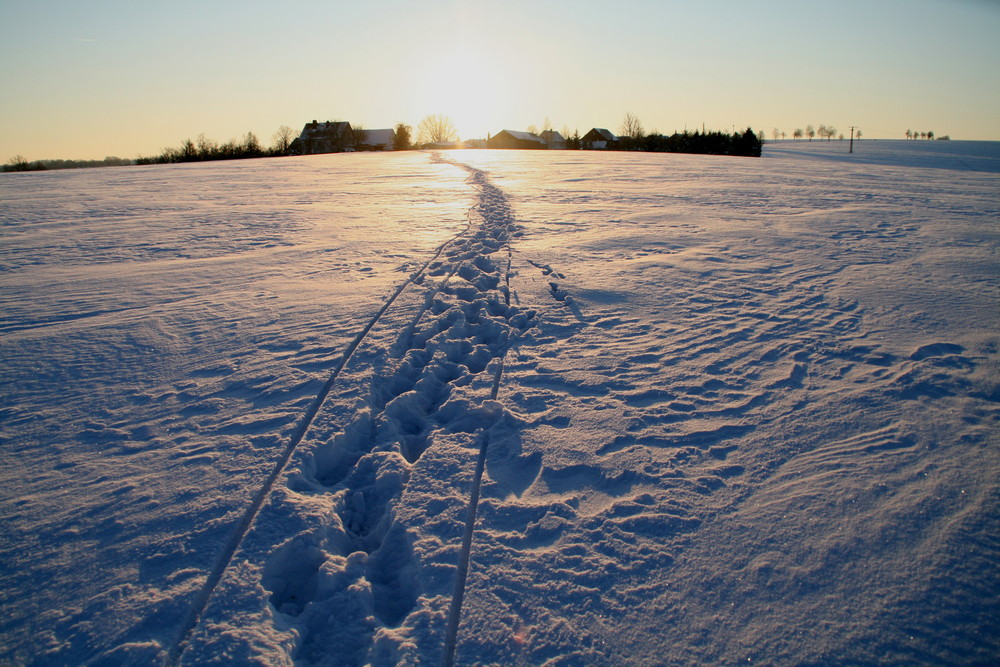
{"points": [[378, 140], [553, 140], [598, 138], [515, 139]]}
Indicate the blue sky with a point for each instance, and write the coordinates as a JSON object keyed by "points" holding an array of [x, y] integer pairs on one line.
{"points": [[86, 79]]}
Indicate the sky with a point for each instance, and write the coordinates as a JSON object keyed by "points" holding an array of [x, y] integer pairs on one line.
{"points": [[85, 79]]}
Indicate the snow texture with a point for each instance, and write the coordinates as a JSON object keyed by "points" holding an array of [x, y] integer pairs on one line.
{"points": [[504, 407]]}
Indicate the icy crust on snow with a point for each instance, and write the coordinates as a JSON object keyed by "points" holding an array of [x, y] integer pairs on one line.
{"points": [[732, 410]]}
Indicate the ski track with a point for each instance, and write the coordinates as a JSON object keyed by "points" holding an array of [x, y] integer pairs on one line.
{"points": [[457, 340], [296, 437]]}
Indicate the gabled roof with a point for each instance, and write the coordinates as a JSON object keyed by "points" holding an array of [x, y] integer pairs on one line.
{"points": [[605, 134], [326, 129], [524, 136], [552, 135]]}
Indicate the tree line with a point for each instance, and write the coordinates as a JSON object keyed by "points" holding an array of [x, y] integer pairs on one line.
{"points": [[205, 149], [633, 137], [827, 132], [912, 134], [189, 151], [19, 163]]}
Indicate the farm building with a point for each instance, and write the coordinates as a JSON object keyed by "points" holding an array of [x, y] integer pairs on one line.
{"points": [[378, 140], [326, 137], [597, 139], [515, 139], [553, 140]]}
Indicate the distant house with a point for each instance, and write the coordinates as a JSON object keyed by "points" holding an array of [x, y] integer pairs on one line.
{"points": [[377, 140], [326, 137], [597, 139], [553, 140], [515, 139]]}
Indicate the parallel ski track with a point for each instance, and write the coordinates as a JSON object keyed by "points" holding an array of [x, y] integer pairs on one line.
{"points": [[465, 553], [246, 520], [486, 190]]}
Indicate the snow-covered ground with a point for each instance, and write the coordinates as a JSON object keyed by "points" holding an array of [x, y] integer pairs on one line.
{"points": [[649, 408]]}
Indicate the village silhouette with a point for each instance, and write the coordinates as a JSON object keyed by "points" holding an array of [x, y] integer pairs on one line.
{"points": [[434, 132], [437, 132]]}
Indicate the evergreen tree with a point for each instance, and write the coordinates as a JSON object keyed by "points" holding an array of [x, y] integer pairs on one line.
{"points": [[401, 142]]}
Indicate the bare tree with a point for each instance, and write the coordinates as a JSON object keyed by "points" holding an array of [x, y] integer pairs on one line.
{"points": [[909, 133], [532, 129], [797, 134], [206, 147], [783, 135], [283, 139], [930, 134], [810, 132], [857, 134], [251, 145], [775, 133], [359, 135], [436, 129], [631, 127], [830, 132], [17, 163]]}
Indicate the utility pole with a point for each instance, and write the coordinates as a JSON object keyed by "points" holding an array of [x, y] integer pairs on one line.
{"points": [[852, 140]]}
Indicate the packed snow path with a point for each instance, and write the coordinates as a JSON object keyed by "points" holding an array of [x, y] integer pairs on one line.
{"points": [[441, 374], [494, 212], [625, 409]]}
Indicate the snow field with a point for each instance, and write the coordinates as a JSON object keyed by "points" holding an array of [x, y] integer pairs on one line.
{"points": [[788, 308], [146, 394], [725, 410]]}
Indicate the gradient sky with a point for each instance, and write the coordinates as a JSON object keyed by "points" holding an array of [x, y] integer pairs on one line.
{"points": [[89, 78]]}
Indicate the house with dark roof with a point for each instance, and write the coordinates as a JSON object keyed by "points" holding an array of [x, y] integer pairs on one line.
{"points": [[326, 137], [515, 139], [598, 138]]}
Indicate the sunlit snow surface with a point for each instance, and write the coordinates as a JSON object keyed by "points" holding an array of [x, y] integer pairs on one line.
{"points": [[746, 409]]}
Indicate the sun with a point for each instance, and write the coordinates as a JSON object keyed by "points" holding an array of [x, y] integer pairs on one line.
{"points": [[465, 85]]}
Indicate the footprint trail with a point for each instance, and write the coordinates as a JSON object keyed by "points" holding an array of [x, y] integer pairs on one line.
{"points": [[345, 579]]}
